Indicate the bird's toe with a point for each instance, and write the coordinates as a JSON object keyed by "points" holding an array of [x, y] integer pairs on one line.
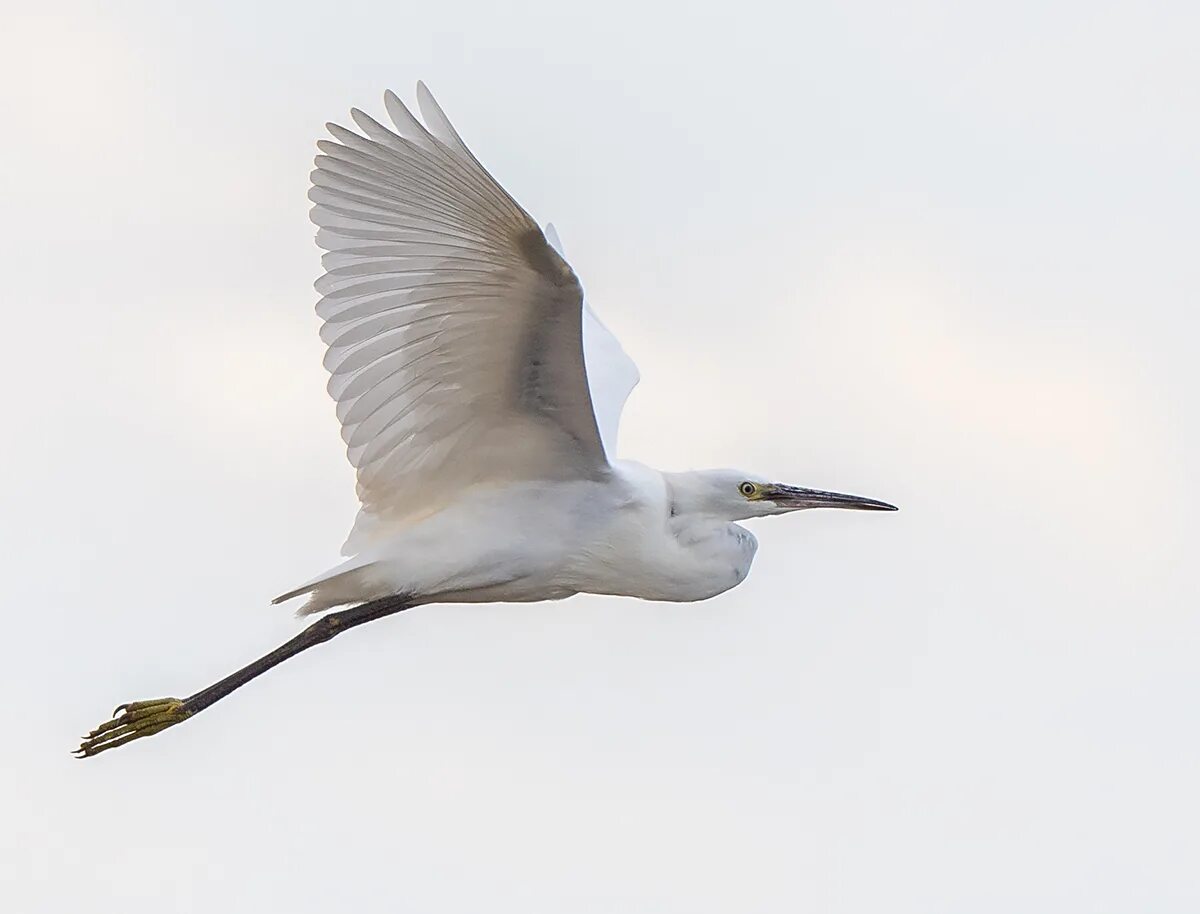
{"points": [[133, 721]]}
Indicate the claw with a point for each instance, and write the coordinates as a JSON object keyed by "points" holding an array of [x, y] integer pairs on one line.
{"points": [[131, 721]]}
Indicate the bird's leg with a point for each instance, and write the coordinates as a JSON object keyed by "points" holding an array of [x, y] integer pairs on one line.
{"points": [[145, 718]]}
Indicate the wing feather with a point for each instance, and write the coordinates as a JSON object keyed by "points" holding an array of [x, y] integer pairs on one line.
{"points": [[612, 374], [454, 331]]}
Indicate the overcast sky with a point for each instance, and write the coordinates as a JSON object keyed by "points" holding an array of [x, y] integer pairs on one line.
{"points": [[938, 253]]}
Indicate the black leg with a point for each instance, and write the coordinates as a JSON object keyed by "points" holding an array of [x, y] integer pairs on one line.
{"points": [[145, 718]]}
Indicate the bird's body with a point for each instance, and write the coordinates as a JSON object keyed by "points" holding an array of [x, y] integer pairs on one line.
{"points": [[479, 398], [627, 534]]}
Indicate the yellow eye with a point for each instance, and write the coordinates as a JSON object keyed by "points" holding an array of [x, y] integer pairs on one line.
{"points": [[748, 489]]}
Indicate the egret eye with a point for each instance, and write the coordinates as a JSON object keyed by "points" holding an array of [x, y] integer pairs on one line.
{"points": [[748, 488]]}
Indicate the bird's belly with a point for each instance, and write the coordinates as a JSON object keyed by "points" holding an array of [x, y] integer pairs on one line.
{"points": [[532, 588], [684, 585], [652, 568]]}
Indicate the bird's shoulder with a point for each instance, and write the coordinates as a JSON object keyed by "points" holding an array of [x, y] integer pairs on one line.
{"points": [[638, 487]]}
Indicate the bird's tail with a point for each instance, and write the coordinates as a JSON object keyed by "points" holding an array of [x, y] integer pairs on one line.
{"points": [[354, 581]]}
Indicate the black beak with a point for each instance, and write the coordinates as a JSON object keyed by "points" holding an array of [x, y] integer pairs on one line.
{"points": [[797, 498]]}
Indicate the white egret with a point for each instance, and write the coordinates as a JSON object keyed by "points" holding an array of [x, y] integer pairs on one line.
{"points": [[479, 398]]}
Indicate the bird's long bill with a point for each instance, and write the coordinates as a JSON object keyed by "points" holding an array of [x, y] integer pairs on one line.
{"points": [[795, 497]]}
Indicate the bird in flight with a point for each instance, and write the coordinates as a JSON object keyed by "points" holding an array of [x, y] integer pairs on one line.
{"points": [[479, 398]]}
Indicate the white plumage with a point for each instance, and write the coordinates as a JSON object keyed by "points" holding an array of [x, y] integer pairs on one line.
{"points": [[480, 397], [480, 400]]}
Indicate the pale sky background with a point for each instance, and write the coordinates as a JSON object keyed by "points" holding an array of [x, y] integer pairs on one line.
{"points": [[939, 253]]}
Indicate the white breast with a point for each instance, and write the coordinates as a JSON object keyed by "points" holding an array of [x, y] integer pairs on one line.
{"points": [[647, 551]]}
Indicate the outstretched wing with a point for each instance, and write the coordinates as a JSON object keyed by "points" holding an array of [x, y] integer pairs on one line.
{"points": [[454, 329], [611, 373]]}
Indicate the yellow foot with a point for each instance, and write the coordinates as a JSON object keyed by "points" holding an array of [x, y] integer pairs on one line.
{"points": [[133, 721]]}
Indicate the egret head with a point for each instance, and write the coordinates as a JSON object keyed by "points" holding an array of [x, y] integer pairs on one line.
{"points": [[734, 495]]}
